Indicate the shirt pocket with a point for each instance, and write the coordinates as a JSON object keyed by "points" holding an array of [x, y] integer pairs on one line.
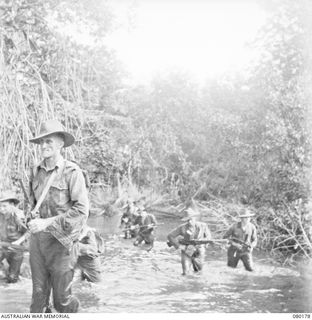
{"points": [[59, 193]]}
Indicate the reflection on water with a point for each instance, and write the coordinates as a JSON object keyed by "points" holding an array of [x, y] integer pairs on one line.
{"points": [[135, 280]]}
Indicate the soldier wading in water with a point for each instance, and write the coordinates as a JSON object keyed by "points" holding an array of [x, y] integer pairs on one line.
{"points": [[243, 238], [191, 255], [61, 216]]}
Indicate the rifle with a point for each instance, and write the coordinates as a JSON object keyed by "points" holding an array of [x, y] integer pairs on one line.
{"points": [[24, 191], [141, 227], [9, 245], [197, 242], [241, 242]]}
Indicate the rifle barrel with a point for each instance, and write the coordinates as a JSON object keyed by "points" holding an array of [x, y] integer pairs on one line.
{"points": [[240, 242], [198, 242], [143, 226]]}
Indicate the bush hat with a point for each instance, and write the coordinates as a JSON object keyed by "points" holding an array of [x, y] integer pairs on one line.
{"points": [[9, 196], [51, 127]]}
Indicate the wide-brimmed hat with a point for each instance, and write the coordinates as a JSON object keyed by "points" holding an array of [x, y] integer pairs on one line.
{"points": [[245, 213], [190, 213], [9, 196], [50, 127]]}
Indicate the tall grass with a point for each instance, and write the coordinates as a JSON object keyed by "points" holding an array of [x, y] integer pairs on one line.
{"points": [[26, 101]]}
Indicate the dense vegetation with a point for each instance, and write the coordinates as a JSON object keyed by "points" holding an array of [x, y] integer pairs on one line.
{"points": [[241, 136]]}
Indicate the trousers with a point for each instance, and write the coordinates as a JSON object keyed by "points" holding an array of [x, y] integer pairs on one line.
{"points": [[52, 267], [148, 237], [195, 259], [234, 255], [90, 268]]}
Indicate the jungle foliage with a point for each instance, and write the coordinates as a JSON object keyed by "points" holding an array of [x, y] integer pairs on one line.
{"points": [[241, 136]]}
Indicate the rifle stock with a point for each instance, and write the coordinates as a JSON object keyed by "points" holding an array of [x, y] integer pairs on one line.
{"points": [[30, 214]]}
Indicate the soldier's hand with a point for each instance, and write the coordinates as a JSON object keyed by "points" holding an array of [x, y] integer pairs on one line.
{"points": [[237, 246], [37, 225], [15, 242]]}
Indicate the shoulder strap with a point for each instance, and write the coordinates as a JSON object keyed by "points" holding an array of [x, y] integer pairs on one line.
{"points": [[44, 192]]}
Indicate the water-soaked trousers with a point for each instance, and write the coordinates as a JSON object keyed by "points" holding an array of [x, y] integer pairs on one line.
{"points": [[52, 267], [15, 260], [147, 236], [90, 268], [234, 255], [195, 259]]}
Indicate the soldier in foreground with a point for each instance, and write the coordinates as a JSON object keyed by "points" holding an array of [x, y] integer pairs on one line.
{"points": [[243, 238], [60, 218], [12, 227], [191, 255]]}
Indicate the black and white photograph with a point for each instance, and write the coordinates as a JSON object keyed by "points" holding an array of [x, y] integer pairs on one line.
{"points": [[155, 158]]}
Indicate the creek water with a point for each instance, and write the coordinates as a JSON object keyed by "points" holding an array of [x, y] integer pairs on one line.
{"points": [[135, 280]]}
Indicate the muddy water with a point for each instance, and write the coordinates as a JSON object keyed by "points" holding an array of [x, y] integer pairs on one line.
{"points": [[135, 280]]}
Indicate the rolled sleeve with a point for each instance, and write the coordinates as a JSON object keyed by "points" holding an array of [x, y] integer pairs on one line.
{"points": [[174, 234]]}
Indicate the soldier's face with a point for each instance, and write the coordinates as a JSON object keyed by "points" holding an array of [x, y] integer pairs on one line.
{"points": [[51, 146], [191, 222], [245, 220], [5, 206]]}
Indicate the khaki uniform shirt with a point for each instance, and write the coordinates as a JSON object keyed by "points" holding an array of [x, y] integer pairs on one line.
{"points": [[199, 231], [247, 235], [67, 199]]}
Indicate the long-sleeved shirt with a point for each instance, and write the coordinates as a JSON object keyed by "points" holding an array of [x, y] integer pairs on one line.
{"points": [[247, 234], [198, 231], [67, 199], [12, 224]]}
